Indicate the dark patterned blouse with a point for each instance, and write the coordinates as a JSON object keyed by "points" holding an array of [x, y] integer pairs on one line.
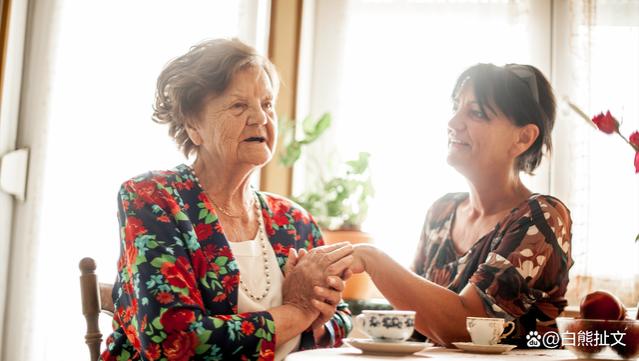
{"points": [[520, 268], [177, 286]]}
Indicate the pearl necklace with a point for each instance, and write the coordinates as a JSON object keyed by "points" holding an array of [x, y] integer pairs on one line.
{"points": [[261, 238]]}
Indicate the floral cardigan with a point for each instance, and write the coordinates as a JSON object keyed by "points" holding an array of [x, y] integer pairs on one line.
{"points": [[176, 291]]}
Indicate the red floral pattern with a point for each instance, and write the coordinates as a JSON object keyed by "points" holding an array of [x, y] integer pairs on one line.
{"points": [[176, 290]]}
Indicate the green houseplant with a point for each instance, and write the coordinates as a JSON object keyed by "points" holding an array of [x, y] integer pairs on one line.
{"points": [[339, 201]]}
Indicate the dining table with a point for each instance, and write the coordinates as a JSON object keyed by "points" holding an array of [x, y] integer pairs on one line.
{"points": [[348, 353]]}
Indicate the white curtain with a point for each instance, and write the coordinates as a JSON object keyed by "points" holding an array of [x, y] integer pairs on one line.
{"points": [[87, 100], [596, 66], [385, 70]]}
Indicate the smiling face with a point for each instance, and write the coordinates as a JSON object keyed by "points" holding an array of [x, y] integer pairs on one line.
{"points": [[484, 141], [238, 127]]}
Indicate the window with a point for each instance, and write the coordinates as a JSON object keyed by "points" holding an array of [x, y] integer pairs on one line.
{"points": [[386, 72], [106, 58], [594, 173]]}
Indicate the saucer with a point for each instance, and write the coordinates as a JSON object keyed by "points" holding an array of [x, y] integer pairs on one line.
{"points": [[471, 347], [397, 348]]}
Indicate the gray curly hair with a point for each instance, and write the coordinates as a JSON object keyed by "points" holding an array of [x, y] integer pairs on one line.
{"points": [[207, 68]]}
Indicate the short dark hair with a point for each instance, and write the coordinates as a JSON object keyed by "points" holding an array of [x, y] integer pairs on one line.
{"points": [[514, 96], [207, 68]]}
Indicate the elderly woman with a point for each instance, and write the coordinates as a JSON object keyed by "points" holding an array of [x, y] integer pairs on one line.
{"points": [[499, 250], [208, 268]]}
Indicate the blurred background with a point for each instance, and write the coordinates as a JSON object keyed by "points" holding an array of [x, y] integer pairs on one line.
{"points": [[77, 88]]}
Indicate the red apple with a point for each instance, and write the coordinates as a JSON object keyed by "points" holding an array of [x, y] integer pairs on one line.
{"points": [[602, 305], [631, 341]]}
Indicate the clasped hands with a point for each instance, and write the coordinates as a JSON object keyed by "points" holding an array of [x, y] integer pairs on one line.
{"points": [[314, 280]]}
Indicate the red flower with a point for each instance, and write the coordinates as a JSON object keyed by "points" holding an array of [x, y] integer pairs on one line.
{"points": [[177, 274], [177, 319], [606, 123], [127, 288], [187, 184], [229, 283], [224, 317], [219, 297], [225, 252], [203, 231], [180, 346], [199, 264], [134, 227], [281, 219], [247, 328], [634, 138], [267, 223], [280, 249], [202, 197], [138, 203], [132, 335], [299, 216], [152, 351], [164, 297], [131, 256], [267, 349], [637, 162], [146, 190]]}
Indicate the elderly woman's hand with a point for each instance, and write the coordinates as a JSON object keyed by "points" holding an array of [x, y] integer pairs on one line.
{"points": [[327, 299], [313, 274]]}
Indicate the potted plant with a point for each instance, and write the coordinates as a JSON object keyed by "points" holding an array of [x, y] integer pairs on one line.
{"points": [[339, 201]]}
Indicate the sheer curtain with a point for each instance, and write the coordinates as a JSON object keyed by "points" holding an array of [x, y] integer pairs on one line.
{"points": [[597, 52], [94, 64], [385, 70]]}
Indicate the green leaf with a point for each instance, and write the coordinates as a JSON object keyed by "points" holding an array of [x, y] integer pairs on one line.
{"points": [[141, 258], [217, 323], [156, 323], [210, 218], [202, 348], [180, 216], [259, 333], [156, 339], [291, 154], [308, 125], [124, 356], [203, 213], [221, 261], [359, 165], [270, 325], [323, 123], [159, 261], [204, 337], [637, 239], [151, 244]]}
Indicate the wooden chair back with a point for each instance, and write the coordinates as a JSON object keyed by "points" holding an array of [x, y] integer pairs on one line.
{"points": [[96, 297]]}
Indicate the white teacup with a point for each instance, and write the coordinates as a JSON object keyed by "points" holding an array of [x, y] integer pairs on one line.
{"points": [[488, 331], [387, 325]]}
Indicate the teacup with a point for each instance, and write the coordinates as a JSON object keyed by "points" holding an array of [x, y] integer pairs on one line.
{"points": [[488, 331], [387, 325]]}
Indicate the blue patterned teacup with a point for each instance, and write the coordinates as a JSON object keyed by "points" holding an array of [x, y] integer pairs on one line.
{"points": [[387, 326]]}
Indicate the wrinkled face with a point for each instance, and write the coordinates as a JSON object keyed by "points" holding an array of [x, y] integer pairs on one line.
{"points": [[479, 141], [238, 127]]}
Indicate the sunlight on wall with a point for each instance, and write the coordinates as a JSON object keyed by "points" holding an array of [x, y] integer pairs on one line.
{"points": [[606, 199], [101, 133], [400, 64]]}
